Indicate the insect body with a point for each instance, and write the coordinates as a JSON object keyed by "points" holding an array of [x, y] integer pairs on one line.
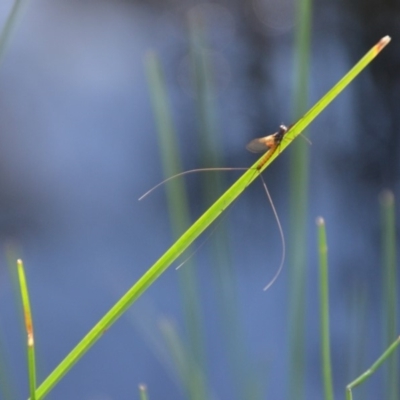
{"points": [[263, 144], [270, 142]]}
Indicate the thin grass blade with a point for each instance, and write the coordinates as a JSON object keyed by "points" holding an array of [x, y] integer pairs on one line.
{"points": [[209, 143], [178, 205], [390, 300], [29, 329], [306, 120], [298, 200], [363, 377], [324, 310]]}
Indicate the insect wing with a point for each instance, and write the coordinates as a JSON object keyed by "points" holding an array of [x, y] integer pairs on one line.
{"points": [[259, 145]]}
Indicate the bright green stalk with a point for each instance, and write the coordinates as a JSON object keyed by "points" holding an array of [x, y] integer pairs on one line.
{"points": [[320, 105], [390, 288], [324, 310], [29, 329], [197, 228], [180, 219], [363, 377], [298, 206]]}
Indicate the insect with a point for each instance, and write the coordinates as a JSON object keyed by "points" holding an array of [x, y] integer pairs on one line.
{"points": [[264, 144], [268, 144]]}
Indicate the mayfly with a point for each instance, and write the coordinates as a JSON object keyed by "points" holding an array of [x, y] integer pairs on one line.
{"points": [[268, 144]]}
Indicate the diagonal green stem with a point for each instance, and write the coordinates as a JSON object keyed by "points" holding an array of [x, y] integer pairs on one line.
{"points": [[196, 229], [363, 377]]}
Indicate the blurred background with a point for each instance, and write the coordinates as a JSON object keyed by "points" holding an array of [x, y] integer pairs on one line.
{"points": [[80, 141]]}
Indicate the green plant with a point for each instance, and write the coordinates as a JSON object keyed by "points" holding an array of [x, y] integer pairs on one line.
{"points": [[198, 227]]}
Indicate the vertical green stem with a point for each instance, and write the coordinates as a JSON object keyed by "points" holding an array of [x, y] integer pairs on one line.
{"points": [[324, 310], [246, 386], [298, 206], [389, 311], [180, 219]]}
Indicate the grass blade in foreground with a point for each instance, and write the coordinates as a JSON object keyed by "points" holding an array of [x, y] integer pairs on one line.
{"points": [[324, 304], [197, 228], [29, 329], [372, 369]]}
